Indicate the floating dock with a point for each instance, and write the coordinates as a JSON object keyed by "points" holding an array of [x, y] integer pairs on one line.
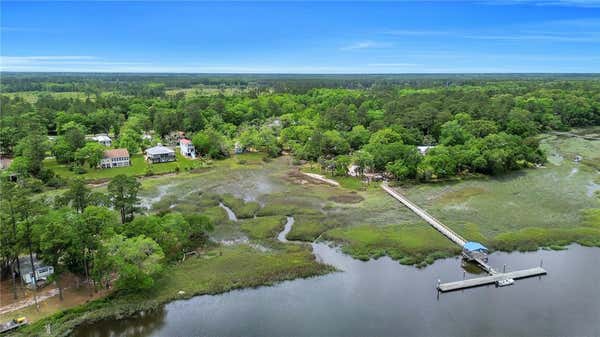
{"points": [[481, 281], [494, 275]]}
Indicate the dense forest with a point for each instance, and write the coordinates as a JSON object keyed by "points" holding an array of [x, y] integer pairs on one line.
{"points": [[477, 124], [474, 124]]}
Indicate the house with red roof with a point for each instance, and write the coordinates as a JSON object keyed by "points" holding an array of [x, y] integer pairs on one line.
{"points": [[115, 158], [186, 147]]}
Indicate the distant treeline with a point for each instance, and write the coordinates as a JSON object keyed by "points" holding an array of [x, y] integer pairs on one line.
{"points": [[154, 85]]}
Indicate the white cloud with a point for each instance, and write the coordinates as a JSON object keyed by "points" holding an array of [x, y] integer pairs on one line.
{"points": [[366, 45]]}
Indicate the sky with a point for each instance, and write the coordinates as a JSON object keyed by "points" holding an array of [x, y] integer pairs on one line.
{"points": [[485, 36]]}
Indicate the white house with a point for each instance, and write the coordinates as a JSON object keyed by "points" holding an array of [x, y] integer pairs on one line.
{"points": [[160, 154], [103, 139], [187, 148], [423, 149], [115, 158], [42, 272]]}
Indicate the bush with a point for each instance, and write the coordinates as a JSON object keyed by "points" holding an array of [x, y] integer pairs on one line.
{"points": [[149, 171], [77, 169]]}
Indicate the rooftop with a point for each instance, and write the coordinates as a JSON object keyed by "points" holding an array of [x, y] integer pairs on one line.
{"points": [[102, 138], [472, 246], [159, 150], [115, 153]]}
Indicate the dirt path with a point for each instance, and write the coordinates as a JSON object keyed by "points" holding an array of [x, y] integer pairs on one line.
{"points": [[28, 302], [321, 178]]}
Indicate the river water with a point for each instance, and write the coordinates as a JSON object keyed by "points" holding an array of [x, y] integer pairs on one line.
{"points": [[383, 298]]}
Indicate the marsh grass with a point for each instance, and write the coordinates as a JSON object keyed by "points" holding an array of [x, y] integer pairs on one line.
{"points": [[498, 211], [241, 208], [310, 227], [409, 244], [263, 228]]}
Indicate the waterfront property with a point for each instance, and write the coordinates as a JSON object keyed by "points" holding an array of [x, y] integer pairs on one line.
{"points": [[160, 154], [187, 148], [115, 158], [42, 272], [473, 251]]}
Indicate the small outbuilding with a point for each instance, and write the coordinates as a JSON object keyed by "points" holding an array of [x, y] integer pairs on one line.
{"points": [[473, 250]]}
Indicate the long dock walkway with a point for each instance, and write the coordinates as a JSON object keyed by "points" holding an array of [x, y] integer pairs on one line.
{"points": [[494, 277], [440, 227]]}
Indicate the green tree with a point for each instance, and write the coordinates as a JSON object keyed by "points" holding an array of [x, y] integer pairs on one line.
{"points": [[332, 143], [342, 163], [92, 153], [73, 134], [454, 133], [57, 237], [358, 137], [33, 149], [97, 224], [62, 151], [131, 140], [136, 260], [122, 192], [79, 196], [398, 169], [10, 215], [211, 143], [363, 160]]}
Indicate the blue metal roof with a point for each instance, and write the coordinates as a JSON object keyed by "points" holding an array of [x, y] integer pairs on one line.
{"points": [[474, 246]]}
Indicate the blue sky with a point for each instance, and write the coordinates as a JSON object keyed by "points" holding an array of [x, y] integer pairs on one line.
{"points": [[302, 37]]}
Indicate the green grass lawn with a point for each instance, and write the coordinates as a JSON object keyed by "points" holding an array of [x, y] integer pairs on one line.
{"points": [[218, 270], [139, 167]]}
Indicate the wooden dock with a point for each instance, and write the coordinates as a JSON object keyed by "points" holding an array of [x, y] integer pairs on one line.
{"points": [[494, 275], [481, 281], [440, 227]]}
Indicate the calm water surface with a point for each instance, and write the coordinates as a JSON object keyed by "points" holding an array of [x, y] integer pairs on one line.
{"points": [[384, 298]]}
